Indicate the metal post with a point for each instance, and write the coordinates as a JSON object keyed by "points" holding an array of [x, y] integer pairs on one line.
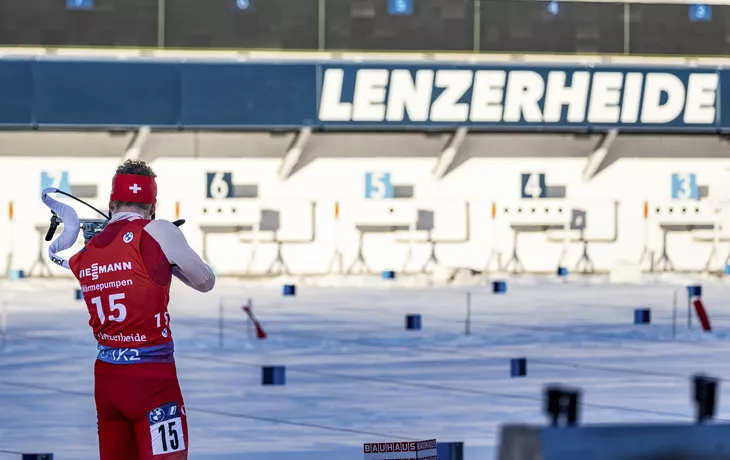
{"points": [[689, 311], [467, 327], [4, 325], [11, 213], [161, 8], [627, 28], [220, 324], [477, 37], [321, 29], [674, 317], [249, 321]]}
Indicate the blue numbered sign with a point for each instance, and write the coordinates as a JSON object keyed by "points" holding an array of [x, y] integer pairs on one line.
{"points": [[533, 185], [80, 4], [400, 7], [553, 8], [684, 186], [700, 13], [378, 185], [220, 185], [56, 179]]}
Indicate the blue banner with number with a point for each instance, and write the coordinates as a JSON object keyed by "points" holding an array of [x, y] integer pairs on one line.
{"points": [[267, 95]]}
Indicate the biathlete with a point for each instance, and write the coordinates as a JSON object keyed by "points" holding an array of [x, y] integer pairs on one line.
{"points": [[125, 272]]}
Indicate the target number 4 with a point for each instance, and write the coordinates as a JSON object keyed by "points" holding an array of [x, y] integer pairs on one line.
{"points": [[533, 185]]}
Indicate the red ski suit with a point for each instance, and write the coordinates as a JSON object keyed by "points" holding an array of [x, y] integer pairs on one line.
{"points": [[125, 278]]}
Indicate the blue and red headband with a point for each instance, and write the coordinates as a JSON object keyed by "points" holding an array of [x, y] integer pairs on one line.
{"points": [[132, 188]]}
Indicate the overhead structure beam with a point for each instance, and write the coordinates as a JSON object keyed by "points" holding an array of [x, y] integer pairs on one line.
{"points": [[450, 152], [291, 159], [595, 159], [138, 141]]}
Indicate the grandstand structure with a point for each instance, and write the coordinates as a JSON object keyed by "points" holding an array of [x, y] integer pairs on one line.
{"points": [[320, 158], [670, 27]]}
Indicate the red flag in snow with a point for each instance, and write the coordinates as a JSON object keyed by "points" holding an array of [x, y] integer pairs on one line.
{"points": [[260, 333], [702, 315]]}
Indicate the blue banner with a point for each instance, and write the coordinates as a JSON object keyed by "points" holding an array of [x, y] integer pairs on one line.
{"points": [[210, 94], [16, 93], [114, 93], [248, 95]]}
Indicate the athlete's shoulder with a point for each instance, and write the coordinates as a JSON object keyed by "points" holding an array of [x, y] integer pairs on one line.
{"points": [[161, 225], [164, 232]]}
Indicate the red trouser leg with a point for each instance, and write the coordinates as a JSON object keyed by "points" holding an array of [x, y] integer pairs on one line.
{"points": [[117, 440], [141, 412]]}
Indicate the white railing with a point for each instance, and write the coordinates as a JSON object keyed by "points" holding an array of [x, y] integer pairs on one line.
{"points": [[264, 55]]}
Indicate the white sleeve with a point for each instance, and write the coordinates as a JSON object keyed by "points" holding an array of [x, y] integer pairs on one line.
{"points": [[71, 228], [190, 269]]}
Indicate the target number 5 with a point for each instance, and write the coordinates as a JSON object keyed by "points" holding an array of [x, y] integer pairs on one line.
{"points": [[220, 185]]}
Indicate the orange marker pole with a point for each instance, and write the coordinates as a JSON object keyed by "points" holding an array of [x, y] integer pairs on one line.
{"points": [[646, 236], [337, 259], [177, 210], [494, 240], [11, 215]]}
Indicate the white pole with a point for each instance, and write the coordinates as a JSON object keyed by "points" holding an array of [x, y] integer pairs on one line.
{"points": [[11, 244], [649, 252], [495, 237], [411, 242], [256, 238], [467, 327], [4, 323], [249, 323], [337, 238], [220, 323], [566, 241], [689, 311], [716, 239], [674, 317]]}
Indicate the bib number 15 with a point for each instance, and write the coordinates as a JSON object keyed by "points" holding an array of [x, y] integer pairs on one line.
{"points": [[118, 312]]}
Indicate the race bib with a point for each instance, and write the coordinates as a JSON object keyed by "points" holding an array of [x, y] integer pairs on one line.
{"points": [[166, 429]]}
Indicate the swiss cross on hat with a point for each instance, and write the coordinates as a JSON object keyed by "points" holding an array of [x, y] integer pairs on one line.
{"points": [[132, 188]]}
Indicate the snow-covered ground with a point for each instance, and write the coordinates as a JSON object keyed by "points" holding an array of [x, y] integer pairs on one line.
{"points": [[354, 375]]}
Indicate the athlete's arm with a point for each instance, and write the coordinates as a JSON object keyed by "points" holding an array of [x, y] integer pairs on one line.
{"points": [[71, 228], [190, 269]]}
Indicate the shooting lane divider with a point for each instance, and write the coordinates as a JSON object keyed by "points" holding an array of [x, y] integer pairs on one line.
{"points": [[495, 254], [10, 273], [646, 252], [335, 265]]}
